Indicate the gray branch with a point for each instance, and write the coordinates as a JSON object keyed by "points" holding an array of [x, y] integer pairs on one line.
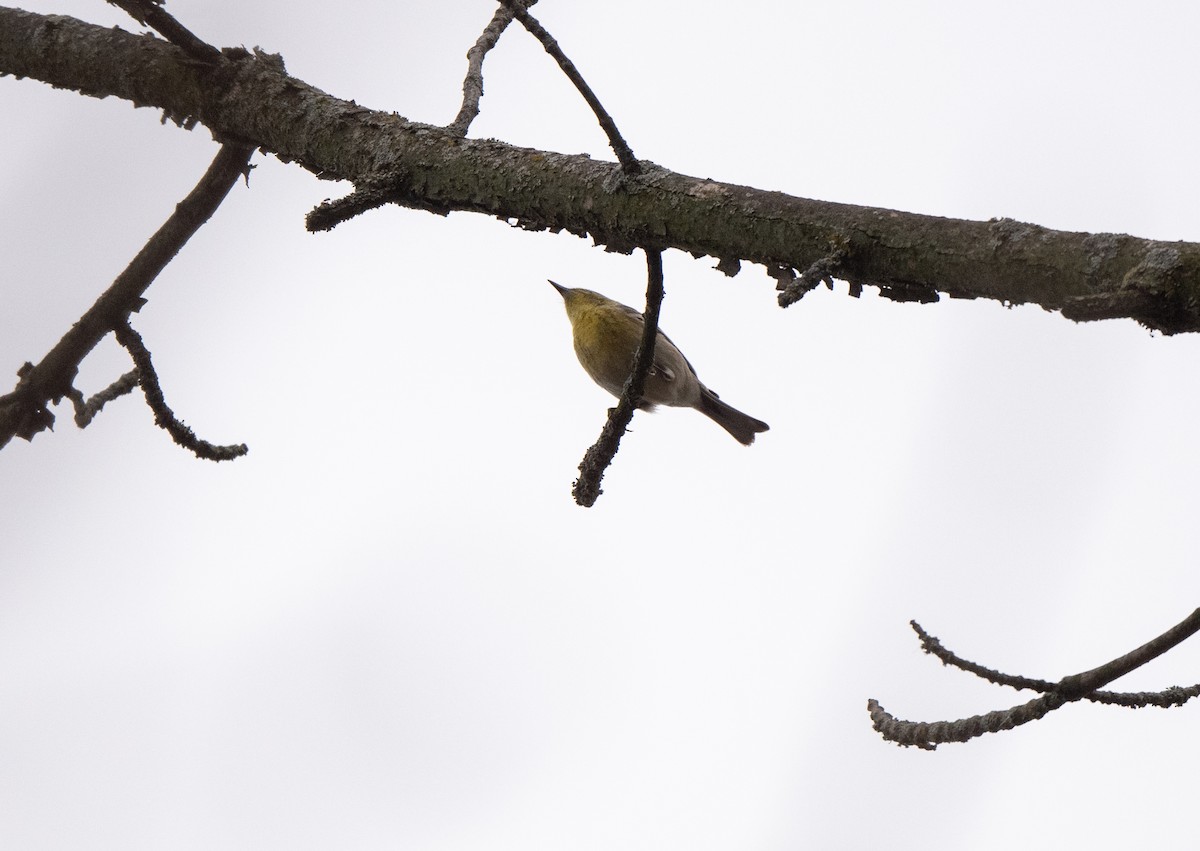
{"points": [[907, 256]]}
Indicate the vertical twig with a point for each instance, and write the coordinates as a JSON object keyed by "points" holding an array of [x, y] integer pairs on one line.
{"points": [[591, 470], [473, 82]]}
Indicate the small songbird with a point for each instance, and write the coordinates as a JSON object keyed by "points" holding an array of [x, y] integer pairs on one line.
{"points": [[607, 334]]}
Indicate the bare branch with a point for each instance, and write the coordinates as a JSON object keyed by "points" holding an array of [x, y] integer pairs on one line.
{"points": [[369, 195], [24, 412], [822, 271], [1173, 696], [928, 736], [85, 412], [1081, 686], [164, 417], [591, 470], [908, 256], [1165, 699], [933, 646], [629, 163], [473, 82]]}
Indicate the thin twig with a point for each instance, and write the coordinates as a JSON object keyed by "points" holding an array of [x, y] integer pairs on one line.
{"points": [[822, 271], [24, 411], [473, 82], [1165, 699], [163, 415], [150, 12], [629, 163], [1173, 696], [934, 647], [365, 197], [86, 411], [591, 470], [1085, 685]]}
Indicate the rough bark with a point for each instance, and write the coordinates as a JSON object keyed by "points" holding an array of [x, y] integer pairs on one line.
{"points": [[250, 98]]}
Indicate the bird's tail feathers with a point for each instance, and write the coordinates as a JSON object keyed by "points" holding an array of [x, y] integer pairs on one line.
{"points": [[743, 427]]}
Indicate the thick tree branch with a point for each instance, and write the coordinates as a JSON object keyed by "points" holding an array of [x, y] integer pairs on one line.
{"points": [[908, 256]]}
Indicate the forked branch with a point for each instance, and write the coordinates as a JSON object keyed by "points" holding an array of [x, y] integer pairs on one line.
{"points": [[25, 411], [1083, 686]]}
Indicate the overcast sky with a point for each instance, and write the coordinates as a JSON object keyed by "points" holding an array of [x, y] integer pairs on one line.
{"points": [[389, 626]]}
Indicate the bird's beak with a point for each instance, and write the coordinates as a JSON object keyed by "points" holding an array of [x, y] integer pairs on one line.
{"points": [[562, 291]]}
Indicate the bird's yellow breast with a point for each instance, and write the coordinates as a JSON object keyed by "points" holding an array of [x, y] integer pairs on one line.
{"points": [[606, 341]]}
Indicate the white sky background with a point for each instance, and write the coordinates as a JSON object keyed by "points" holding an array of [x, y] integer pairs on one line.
{"points": [[390, 627]]}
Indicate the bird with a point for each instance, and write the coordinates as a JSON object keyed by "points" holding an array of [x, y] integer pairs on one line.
{"points": [[607, 334]]}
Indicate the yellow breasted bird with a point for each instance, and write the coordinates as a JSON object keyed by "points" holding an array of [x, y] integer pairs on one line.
{"points": [[607, 334]]}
